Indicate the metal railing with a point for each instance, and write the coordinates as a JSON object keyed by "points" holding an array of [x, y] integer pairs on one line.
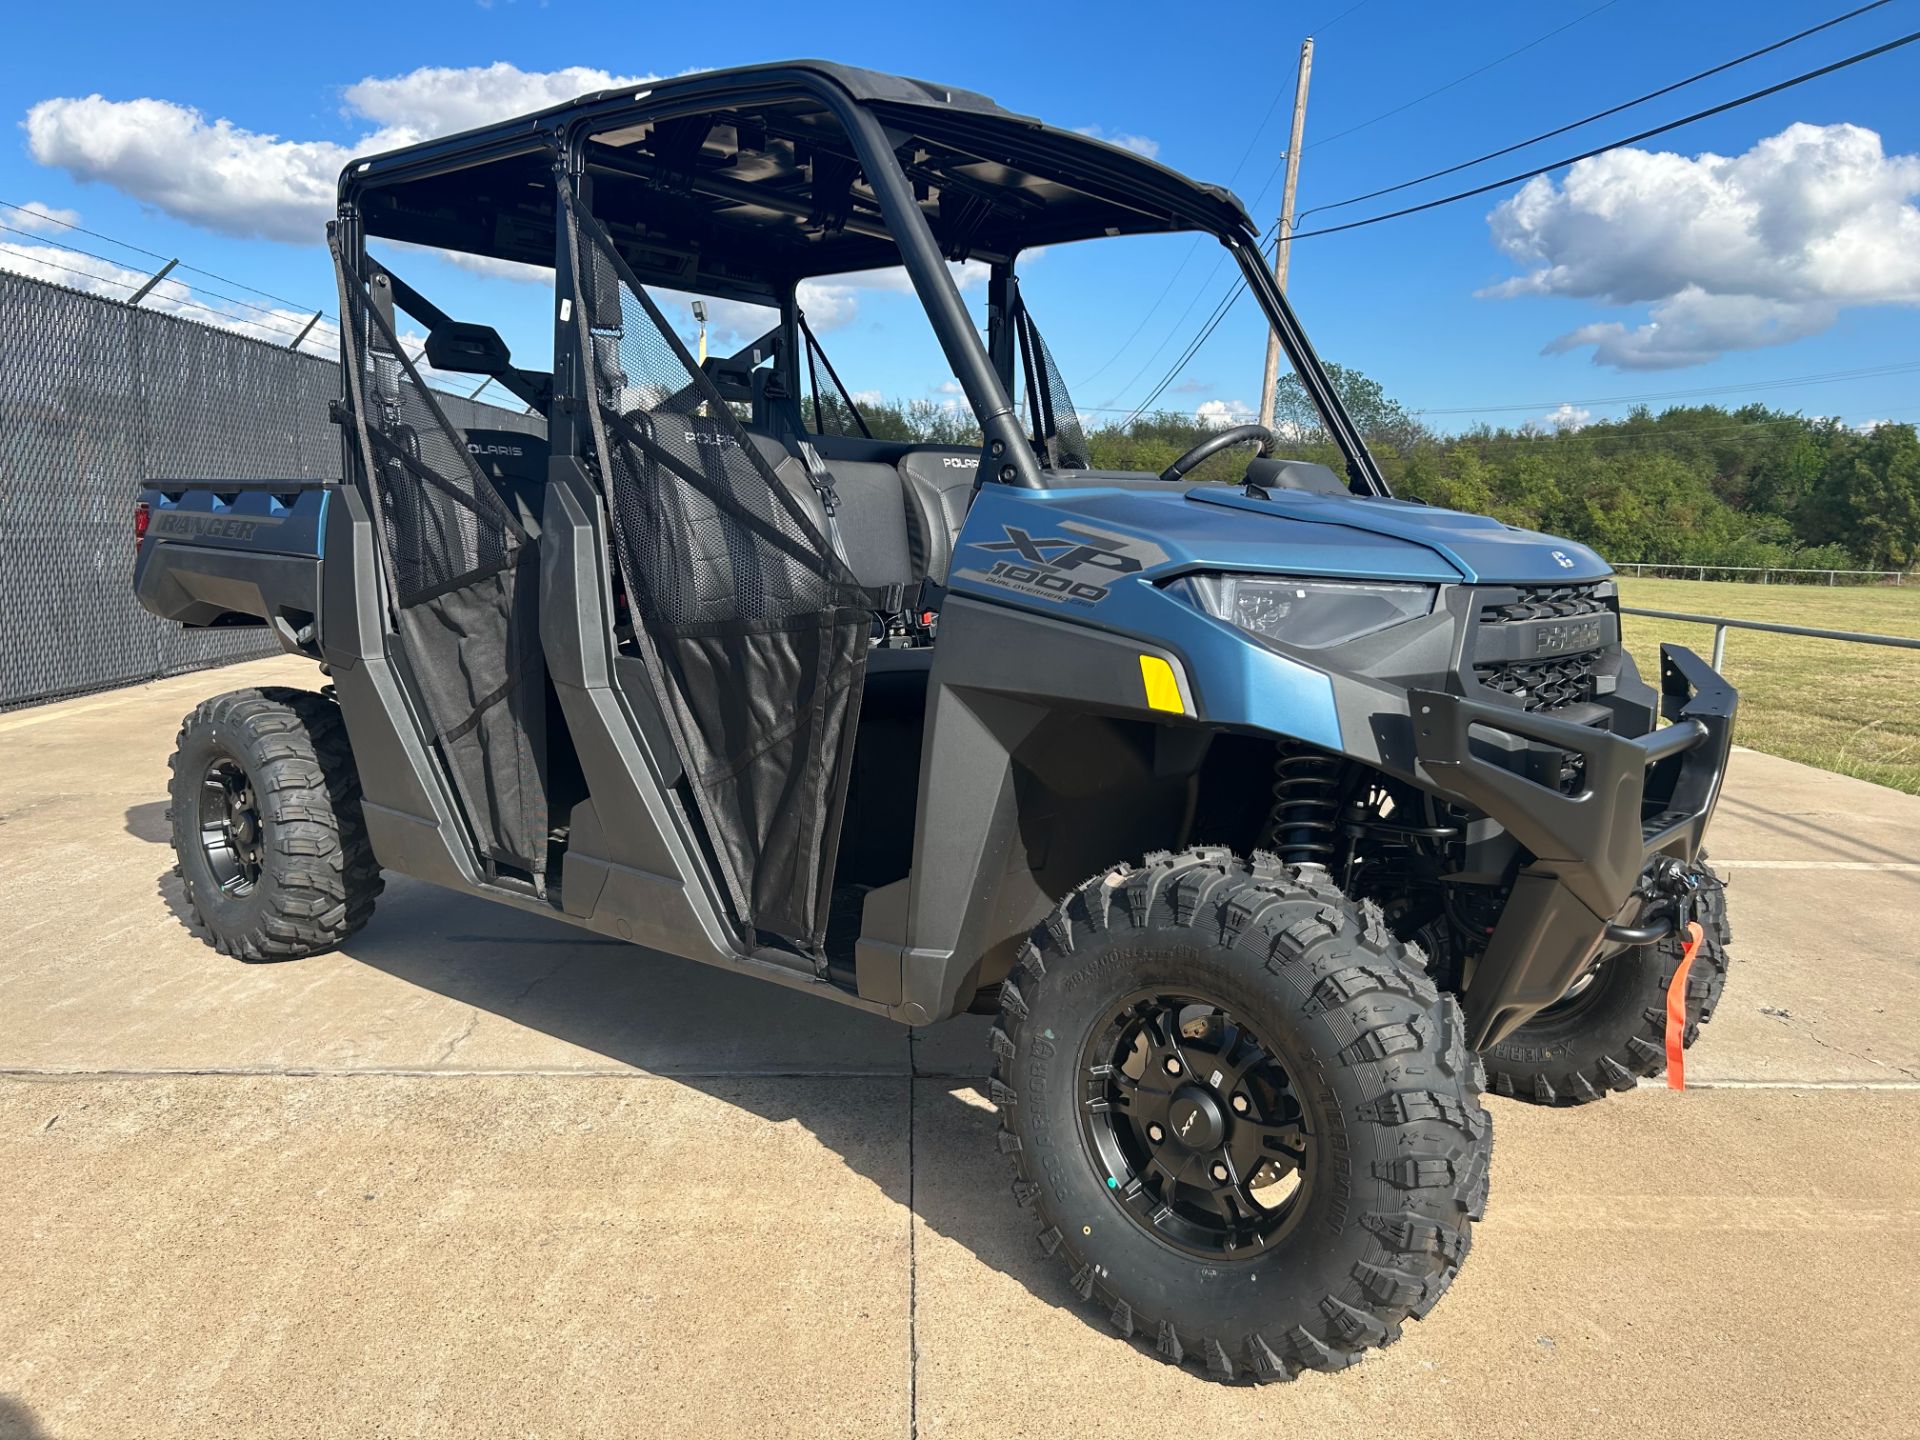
{"points": [[1794, 574], [1722, 623]]}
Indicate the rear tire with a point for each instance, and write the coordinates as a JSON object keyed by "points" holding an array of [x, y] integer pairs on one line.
{"points": [[1381, 1100], [1611, 1034], [267, 829]]}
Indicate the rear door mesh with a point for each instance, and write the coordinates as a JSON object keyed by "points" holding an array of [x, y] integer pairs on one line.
{"points": [[462, 589], [755, 633]]}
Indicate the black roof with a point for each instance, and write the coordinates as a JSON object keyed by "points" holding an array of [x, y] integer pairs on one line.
{"points": [[742, 182]]}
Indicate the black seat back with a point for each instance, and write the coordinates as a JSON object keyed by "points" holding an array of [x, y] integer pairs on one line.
{"points": [[939, 487]]}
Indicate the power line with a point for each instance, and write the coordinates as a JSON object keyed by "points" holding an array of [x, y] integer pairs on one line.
{"points": [[1586, 435], [142, 250], [1698, 115], [1192, 247], [1776, 382], [225, 315], [1604, 114], [1779, 382], [1801, 79], [1461, 80], [1327, 25], [24, 254], [1186, 356], [1172, 330], [280, 317]]}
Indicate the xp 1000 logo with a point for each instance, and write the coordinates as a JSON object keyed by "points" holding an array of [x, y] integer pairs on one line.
{"points": [[1061, 567]]}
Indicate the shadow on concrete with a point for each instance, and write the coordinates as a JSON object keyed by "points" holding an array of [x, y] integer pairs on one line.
{"points": [[149, 822], [17, 1422], [1798, 826], [726, 1035], [709, 1029]]}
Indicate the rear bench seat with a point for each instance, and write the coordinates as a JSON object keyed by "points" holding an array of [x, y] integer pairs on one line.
{"points": [[897, 521]]}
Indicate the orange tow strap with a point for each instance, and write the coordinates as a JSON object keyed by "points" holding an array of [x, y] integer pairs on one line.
{"points": [[1677, 1010]]}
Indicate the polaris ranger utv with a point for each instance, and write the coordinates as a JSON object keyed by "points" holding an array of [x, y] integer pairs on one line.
{"points": [[1260, 813]]}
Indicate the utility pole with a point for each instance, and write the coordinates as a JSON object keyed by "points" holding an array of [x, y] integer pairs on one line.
{"points": [[1271, 378]]}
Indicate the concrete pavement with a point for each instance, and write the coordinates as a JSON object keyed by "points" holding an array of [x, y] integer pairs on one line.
{"points": [[484, 1174]]}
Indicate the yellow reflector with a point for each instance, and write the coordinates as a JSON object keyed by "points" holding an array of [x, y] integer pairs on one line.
{"points": [[1163, 690]]}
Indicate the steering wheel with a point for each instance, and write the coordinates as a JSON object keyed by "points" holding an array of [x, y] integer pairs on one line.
{"points": [[1215, 443]]}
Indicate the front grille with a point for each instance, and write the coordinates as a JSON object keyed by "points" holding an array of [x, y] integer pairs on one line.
{"points": [[1546, 602], [1544, 684], [1551, 650]]}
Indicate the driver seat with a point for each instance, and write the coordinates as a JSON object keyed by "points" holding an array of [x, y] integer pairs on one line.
{"points": [[939, 486]]}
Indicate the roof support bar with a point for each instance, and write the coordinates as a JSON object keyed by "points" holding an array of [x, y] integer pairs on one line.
{"points": [[1009, 458]]}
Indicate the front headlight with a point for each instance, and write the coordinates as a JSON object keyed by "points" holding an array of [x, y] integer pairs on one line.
{"points": [[1306, 614]]}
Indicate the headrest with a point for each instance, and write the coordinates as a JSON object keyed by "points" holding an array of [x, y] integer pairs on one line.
{"points": [[943, 469]]}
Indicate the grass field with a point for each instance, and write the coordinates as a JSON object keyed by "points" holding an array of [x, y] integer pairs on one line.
{"points": [[1850, 708]]}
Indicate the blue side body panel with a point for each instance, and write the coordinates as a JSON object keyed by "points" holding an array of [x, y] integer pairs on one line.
{"points": [[285, 522], [1098, 556]]}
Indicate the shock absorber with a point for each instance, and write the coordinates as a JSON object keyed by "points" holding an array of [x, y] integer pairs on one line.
{"points": [[1307, 789]]}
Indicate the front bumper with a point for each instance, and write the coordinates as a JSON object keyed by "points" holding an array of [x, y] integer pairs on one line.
{"points": [[1641, 797]]}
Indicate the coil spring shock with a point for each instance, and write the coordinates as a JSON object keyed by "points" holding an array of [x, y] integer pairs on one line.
{"points": [[1307, 789]]}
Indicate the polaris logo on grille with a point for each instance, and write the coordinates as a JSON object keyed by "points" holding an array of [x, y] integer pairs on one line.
{"points": [[1567, 636], [1563, 560], [514, 450]]}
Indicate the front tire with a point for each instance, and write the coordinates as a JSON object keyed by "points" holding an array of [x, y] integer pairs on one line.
{"points": [[1609, 1032], [1282, 1006], [267, 829]]}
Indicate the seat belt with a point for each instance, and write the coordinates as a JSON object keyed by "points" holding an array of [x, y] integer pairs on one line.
{"points": [[821, 479], [889, 601]]}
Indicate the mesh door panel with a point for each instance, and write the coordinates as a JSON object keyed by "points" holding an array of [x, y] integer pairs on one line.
{"points": [[463, 587], [754, 631], [1056, 424]]}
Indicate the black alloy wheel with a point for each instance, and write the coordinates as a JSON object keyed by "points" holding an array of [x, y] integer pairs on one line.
{"points": [[1204, 1142], [231, 832]]}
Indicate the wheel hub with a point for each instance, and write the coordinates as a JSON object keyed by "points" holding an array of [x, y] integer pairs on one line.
{"points": [[1196, 1123], [231, 834], [1195, 1119]]}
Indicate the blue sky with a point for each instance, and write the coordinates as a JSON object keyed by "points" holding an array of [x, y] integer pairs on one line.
{"points": [[1796, 254]]}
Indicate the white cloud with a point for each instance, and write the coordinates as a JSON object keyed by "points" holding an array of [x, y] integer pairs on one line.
{"points": [[869, 398], [226, 178], [436, 100], [949, 387], [1139, 144], [36, 215], [476, 264], [1563, 416], [169, 156], [237, 181], [1219, 414], [1727, 253], [832, 302]]}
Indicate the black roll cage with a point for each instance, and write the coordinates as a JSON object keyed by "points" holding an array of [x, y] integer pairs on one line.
{"points": [[986, 376]]}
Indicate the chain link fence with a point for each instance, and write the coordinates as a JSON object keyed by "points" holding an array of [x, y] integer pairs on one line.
{"points": [[96, 397]]}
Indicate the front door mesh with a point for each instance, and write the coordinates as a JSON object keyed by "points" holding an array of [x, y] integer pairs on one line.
{"points": [[754, 631], [462, 589], [1057, 437]]}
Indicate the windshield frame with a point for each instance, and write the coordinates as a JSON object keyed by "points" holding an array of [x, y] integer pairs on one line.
{"points": [[873, 129]]}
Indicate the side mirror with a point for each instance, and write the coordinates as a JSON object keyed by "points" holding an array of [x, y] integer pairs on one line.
{"points": [[469, 349]]}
